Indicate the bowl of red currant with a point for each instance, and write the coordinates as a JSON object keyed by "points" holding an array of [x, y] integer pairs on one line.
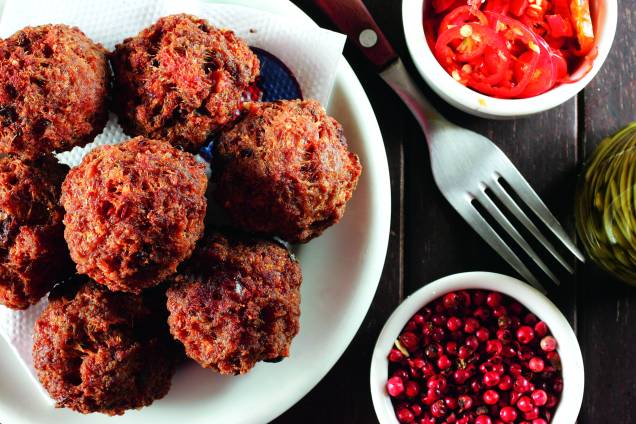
{"points": [[477, 348]]}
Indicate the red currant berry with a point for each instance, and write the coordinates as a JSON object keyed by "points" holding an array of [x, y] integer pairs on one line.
{"points": [[494, 299], [515, 369], [522, 385], [472, 342], [438, 409], [471, 325], [450, 402], [409, 340], [541, 328], [404, 415], [532, 414], [499, 311], [453, 324], [525, 334], [536, 364], [483, 419], [416, 409], [460, 376], [491, 397], [548, 344], [491, 379], [539, 397], [395, 386], [451, 348], [395, 355], [437, 382], [411, 389], [482, 334], [508, 414], [481, 313], [428, 419], [450, 300], [530, 319], [444, 363], [465, 353], [506, 383], [524, 404], [465, 402], [494, 347]]}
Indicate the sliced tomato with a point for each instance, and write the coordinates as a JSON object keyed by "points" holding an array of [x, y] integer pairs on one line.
{"points": [[460, 16], [537, 9], [512, 48], [518, 7], [520, 41], [559, 26], [497, 6], [463, 43], [560, 64], [537, 25], [489, 69], [561, 7], [582, 21], [543, 77]]}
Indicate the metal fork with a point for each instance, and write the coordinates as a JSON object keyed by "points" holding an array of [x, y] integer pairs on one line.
{"points": [[468, 168]]}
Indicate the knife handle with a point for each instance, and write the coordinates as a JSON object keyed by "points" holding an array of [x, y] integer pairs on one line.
{"points": [[353, 18]]}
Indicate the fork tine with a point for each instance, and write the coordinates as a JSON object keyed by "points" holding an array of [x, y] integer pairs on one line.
{"points": [[501, 219], [479, 224], [523, 189], [505, 198]]}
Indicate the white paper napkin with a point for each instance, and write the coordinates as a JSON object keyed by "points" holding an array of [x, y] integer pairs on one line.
{"points": [[311, 53]]}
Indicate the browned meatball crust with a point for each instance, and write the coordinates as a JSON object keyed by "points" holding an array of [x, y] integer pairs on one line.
{"points": [[33, 254], [285, 170], [53, 90], [99, 351], [181, 80], [236, 303], [134, 212]]}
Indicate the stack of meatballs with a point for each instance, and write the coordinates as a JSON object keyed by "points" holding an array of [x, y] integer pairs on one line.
{"points": [[139, 274]]}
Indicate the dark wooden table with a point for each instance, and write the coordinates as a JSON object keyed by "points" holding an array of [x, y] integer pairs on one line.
{"points": [[429, 240]]}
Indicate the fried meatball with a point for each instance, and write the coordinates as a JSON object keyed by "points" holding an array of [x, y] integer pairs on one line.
{"points": [[285, 170], [53, 90], [236, 303], [33, 254], [134, 212], [181, 80], [99, 351]]}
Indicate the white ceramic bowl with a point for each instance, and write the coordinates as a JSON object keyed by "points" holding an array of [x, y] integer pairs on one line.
{"points": [[479, 104], [569, 350]]}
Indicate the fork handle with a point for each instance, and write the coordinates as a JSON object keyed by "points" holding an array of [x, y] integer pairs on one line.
{"points": [[431, 121]]}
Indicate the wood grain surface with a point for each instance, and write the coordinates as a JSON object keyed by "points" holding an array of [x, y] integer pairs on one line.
{"points": [[429, 240]]}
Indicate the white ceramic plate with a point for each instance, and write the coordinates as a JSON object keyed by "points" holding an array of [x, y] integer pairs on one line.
{"points": [[341, 272]]}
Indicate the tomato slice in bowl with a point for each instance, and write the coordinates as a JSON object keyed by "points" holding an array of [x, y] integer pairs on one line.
{"points": [[524, 49], [463, 43], [460, 16], [544, 75]]}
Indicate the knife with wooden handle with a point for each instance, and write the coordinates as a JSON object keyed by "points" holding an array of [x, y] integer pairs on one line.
{"points": [[354, 19]]}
